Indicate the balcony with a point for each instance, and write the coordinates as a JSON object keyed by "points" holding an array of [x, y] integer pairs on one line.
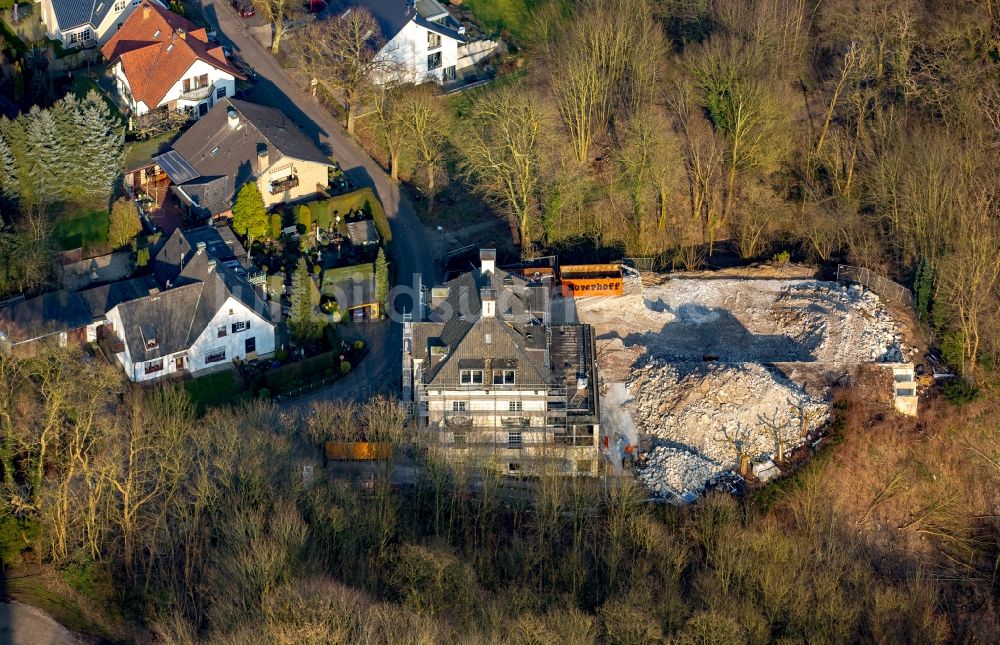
{"points": [[285, 184], [198, 93]]}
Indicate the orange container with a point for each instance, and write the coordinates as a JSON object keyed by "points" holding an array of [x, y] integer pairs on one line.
{"points": [[357, 450]]}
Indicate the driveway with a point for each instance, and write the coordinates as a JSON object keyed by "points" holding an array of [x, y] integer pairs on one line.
{"points": [[411, 251]]}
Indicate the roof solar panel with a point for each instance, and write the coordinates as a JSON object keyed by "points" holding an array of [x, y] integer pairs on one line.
{"points": [[176, 167]]}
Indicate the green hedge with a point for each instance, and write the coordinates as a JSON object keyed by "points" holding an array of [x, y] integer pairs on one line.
{"points": [[281, 378], [364, 199]]}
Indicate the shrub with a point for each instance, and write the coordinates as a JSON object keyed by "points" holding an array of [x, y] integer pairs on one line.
{"points": [[345, 367], [304, 218], [275, 225], [142, 257], [781, 257], [960, 392], [264, 393], [281, 355], [359, 344], [16, 535]]}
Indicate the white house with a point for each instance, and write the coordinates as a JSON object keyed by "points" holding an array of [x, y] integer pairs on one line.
{"points": [[161, 60], [423, 39], [199, 312], [84, 23]]}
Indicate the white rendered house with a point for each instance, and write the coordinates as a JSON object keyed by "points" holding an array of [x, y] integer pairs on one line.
{"points": [[159, 59], [86, 23], [423, 40], [199, 313]]}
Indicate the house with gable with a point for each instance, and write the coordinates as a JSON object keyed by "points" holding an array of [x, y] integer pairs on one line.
{"points": [[197, 311], [84, 23], [237, 142], [492, 380], [160, 60], [422, 40]]}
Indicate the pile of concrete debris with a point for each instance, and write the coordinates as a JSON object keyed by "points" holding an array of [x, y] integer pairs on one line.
{"points": [[704, 417]]}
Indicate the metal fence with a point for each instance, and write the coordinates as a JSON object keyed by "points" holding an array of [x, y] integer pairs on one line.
{"points": [[883, 286], [639, 264]]}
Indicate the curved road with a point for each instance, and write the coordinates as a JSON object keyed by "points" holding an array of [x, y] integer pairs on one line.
{"points": [[411, 252]]}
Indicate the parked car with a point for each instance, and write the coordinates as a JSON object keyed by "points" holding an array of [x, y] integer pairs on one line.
{"points": [[243, 7]]}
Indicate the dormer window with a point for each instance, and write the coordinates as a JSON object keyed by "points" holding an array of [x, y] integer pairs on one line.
{"points": [[156, 34], [149, 337], [471, 377], [170, 47]]}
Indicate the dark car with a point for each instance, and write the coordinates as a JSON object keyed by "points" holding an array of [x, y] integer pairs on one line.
{"points": [[243, 7]]}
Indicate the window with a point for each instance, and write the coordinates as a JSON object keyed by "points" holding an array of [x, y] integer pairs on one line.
{"points": [[458, 406], [221, 92], [154, 366], [425, 406], [250, 345], [514, 467], [120, 5], [460, 437], [79, 37], [434, 61], [515, 406], [449, 73], [503, 377], [514, 439], [242, 325], [222, 331], [215, 356], [471, 377], [433, 40]]}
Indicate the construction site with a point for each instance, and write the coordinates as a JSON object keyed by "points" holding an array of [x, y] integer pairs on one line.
{"points": [[707, 380]]}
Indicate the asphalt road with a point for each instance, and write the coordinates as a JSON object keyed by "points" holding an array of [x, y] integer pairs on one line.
{"points": [[411, 256]]}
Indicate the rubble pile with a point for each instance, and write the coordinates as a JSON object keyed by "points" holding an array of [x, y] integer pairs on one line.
{"points": [[704, 416]]}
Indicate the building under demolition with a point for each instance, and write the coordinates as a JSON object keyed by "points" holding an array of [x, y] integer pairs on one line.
{"points": [[494, 381]]}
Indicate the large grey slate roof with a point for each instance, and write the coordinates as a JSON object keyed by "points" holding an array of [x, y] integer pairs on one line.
{"points": [[181, 246], [76, 13], [392, 16], [100, 300], [49, 313], [215, 150]]}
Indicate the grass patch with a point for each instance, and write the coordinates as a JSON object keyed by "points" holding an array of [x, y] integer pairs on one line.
{"points": [[297, 373], [497, 15], [82, 231], [141, 153], [215, 389], [83, 84], [343, 274], [30, 591]]}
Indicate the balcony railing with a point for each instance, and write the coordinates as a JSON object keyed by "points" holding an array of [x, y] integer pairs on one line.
{"points": [[282, 186], [198, 93]]}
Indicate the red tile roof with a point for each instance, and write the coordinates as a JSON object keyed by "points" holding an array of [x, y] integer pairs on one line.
{"points": [[156, 47]]}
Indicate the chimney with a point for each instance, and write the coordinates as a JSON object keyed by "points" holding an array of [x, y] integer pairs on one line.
{"points": [[181, 34], [489, 300], [145, 11], [234, 117], [487, 260], [201, 246], [211, 265], [262, 157]]}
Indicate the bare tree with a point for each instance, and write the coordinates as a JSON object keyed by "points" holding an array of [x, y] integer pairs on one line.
{"points": [[277, 12], [426, 122], [390, 124], [344, 55], [503, 154]]}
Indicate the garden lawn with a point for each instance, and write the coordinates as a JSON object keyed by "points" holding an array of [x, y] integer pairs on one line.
{"points": [[363, 199], [215, 389], [140, 153], [512, 15], [82, 231]]}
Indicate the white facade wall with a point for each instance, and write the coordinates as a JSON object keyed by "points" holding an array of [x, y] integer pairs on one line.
{"points": [[409, 49], [100, 33], [234, 344], [216, 77]]}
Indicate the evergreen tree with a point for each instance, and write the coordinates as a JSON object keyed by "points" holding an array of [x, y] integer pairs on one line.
{"points": [[47, 159], [104, 158], [301, 323], [249, 215], [10, 189], [381, 278], [923, 289]]}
